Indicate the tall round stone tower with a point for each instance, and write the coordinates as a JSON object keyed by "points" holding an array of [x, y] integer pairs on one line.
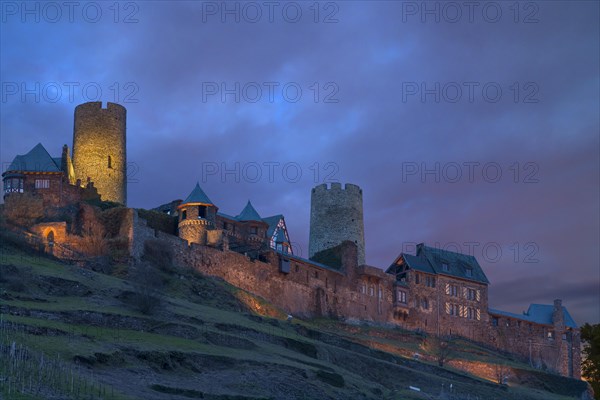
{"points": [[336, 215], [99, 148]]}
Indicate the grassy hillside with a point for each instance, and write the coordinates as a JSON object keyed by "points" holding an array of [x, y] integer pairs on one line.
{"points": [[69, 332]]}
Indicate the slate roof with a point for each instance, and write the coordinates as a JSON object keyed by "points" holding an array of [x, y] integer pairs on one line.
{"points": [[37, 160], [431, 260], [249, 213], [538, 314], [281, 237], [198, 196], [272, 221]]}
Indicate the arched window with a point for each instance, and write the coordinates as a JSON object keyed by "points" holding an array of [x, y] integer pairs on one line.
{"points": [[109, 162]]}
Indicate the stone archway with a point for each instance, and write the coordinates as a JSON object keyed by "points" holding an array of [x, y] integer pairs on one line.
{"points": [[50, 237]]}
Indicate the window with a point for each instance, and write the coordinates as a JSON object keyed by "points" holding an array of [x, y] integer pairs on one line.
{"points": [[495, 321], [564, 336], [425, 303], [13, 185], [380, 293], [42, 183], [183, 215], [253, 230], [202, 211], [471, 294], [417, 279], [445, 267], [451, 290], [470, 313], [550, 335], [371, 291], [469, 272], [402, 296], [363, 289], [453, 309], [430, 281], [109, 162]]}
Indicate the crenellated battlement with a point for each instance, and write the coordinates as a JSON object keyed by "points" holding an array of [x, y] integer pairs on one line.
{"points": [[337, 187]]}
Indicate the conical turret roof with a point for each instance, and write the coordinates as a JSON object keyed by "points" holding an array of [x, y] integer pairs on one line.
{"points": [[198, 196], [249, 214]]}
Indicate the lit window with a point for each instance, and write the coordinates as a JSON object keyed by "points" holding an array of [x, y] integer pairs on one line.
{"points": [[550, 335], [13, 185], [402, 296], [42, 183]]}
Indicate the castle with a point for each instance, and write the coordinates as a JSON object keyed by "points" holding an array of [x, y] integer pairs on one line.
{"points": [[435, 291]]}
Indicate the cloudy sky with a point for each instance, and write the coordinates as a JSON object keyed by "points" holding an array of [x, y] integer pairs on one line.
{"points": [[470, 128]]}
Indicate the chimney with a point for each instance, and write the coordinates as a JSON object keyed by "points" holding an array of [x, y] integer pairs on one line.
{"points": [[558, 317]]}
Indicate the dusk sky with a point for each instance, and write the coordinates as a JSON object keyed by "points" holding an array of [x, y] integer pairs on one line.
{"points": [[469, 127]]}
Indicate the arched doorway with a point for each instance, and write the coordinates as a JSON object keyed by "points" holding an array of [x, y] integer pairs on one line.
{"points": [[50, 238]]}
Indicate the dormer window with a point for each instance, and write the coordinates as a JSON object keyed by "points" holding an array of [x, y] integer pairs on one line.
{"points": [[469, 272], [445, 267]]}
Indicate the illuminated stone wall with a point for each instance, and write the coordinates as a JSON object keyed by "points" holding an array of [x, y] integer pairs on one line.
{"points": [[99, 148]]}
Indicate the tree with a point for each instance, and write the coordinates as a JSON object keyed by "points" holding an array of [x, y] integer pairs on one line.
{"points": [[439, 347], [590, 367], [502, 373]]}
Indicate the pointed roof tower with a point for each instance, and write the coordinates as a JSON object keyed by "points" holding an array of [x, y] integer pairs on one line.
{"points": [[198, 196], [249, 214]]}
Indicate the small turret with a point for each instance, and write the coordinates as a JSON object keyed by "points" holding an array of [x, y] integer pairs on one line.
{"points": [[197, 215]]}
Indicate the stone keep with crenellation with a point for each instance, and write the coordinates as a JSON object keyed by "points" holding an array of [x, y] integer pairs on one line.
{"points": [[336, 214], [99, 148]]}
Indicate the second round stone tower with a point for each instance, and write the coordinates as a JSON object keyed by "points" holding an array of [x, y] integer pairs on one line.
{"points": [[336, 214], [99, 148]]}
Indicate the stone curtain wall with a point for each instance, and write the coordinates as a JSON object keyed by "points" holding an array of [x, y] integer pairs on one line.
{"points": [[310, 291]]}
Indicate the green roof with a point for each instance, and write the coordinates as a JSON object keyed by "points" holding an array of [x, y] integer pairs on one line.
{"points": [[37, 160], [431, 260], [272, 221], [198, 196], [249, 213], [539, 314]]}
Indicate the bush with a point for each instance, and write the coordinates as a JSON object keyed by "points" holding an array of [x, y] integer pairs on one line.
{"points": [[159, 221], [159, 254], [147, 284]]}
